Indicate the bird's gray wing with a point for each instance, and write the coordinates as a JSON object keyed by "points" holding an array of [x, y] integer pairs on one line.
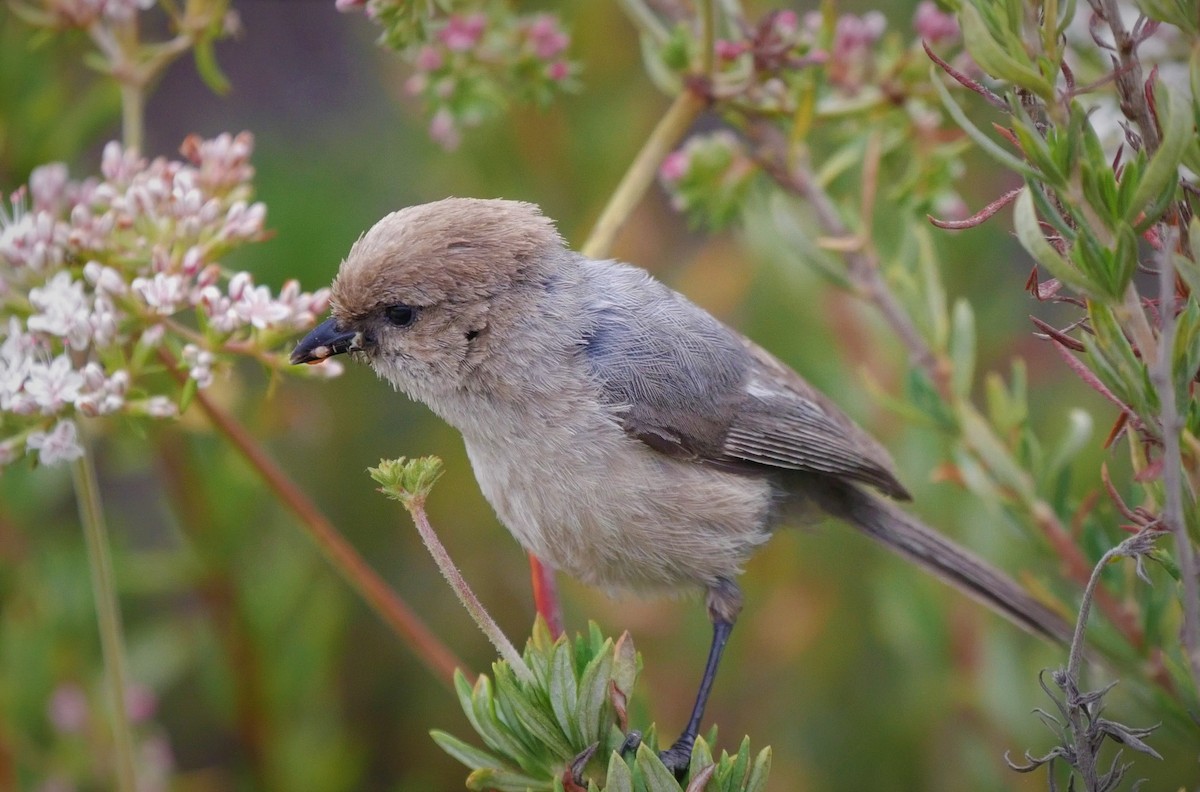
{"points": [[691, 388]]}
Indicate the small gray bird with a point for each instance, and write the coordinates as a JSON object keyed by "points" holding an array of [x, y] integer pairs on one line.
{"points": [[622, 434]]}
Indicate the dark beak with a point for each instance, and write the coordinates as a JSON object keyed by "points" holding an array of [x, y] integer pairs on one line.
{"points": [[325, 340]]}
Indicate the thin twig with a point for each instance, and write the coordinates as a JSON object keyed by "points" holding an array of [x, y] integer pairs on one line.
{"points": [[677, 120], [416, 507], [1172, 461], [1129, 74], [862, 266], [108, 615]]}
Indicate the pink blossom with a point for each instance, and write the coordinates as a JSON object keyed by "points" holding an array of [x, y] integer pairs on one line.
{"points": [[547, 39], [674, 166], [444, 130], [223, 162], [558, 70], [60, 444], [200, 362], [257, 307], [140, 703], [729, 50], [62, 310], [934, 25], [428, 59], [163, 293], [463, 32], [48, 186], [345, 6], [68, 709], [786, 23], [53, 386]]}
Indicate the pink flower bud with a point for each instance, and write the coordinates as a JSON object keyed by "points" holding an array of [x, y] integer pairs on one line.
{"points": [[462, 33]]}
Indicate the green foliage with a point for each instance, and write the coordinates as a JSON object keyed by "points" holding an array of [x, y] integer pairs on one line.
{"points": [[568, 726], [407, 480]]}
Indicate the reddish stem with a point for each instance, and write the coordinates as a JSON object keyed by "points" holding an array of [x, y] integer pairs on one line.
{"points": [[545, 595], [429, 649]]}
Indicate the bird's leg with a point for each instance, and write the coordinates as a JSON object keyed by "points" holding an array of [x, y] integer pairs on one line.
{"points": [[724, 603]]}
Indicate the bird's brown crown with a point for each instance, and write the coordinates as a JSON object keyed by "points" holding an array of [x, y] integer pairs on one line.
{"points": [[456, 249]]}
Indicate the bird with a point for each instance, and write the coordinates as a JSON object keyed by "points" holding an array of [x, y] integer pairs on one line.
{"points": [[621, 433]]}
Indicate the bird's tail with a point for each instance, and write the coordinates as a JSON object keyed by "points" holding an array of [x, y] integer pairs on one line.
{"points": [[906, 535]]}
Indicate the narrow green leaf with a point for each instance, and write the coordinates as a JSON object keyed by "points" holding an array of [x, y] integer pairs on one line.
{"points": [[1038, 151], [655, 775], [1029, 233], [741, 764], [619, 777], [488, 780], [989, 146], [593, 689], [1186, 354], [1162, 172], [469, 755], [962, 348], [701, 757], [1077, 434], [482, 715], [757, 782], [994, 455], [533, 718], [564, 694], [996, 59], [207, 68]]}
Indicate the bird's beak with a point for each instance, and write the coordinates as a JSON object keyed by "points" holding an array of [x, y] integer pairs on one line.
{"points": [[325, 340]]}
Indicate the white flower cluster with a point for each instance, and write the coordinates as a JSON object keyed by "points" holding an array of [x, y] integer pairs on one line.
{"points": [[96, 275]]}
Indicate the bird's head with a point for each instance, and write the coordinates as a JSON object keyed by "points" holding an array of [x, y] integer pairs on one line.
{"points": [[421, 293]]}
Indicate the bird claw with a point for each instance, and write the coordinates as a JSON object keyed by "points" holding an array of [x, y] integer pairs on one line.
{"points": [[678, 756], [632, 741]]}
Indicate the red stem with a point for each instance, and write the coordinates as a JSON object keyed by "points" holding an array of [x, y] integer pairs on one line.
{"points": [[545, 595]]}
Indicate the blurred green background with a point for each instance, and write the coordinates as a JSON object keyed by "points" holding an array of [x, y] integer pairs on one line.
{"points": [[263, 671]]}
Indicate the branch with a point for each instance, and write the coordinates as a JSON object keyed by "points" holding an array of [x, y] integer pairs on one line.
{"points": [[1162, 375]]}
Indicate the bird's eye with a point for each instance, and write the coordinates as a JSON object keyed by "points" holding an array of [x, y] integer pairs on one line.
{"points": [[400, 315]]}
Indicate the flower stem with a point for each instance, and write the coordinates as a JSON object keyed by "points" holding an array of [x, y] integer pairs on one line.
{"points": [[108, 615], [484, 620], [674, 123]]}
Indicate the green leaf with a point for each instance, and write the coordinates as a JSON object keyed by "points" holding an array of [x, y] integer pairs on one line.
{"points": [[482, 715], [996, 57], [489, 780], [407, 480], [619, 777], [207, 68], [757, 782], [962, 348], [654, 773], [701, 757], [593, 689], [1162, 172], [564, 694], [1186, 354], [1029, 233], [1078, 432], [989, 146], [529, 715], [469, 755]]}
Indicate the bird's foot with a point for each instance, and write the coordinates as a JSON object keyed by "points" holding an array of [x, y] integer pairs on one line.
{"points": [[678, 756]]}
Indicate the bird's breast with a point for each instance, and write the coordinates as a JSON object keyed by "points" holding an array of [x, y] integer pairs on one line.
{"points": [[610, 511]]}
